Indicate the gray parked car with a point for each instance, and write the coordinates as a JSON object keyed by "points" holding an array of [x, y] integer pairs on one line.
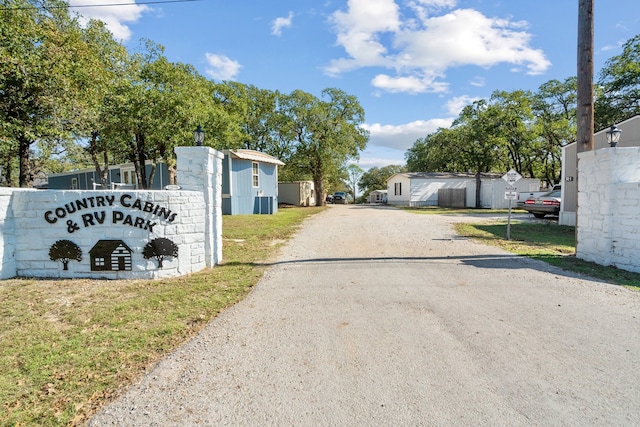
{"points": [[546, 204], [340, 197]]}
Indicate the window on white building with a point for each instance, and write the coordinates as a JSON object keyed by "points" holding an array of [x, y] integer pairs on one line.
{"points": [[397, 189]]}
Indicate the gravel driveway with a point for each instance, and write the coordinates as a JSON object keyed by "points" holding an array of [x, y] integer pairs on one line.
{"points": [[373, 316]]}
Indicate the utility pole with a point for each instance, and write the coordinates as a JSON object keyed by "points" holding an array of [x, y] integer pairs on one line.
{"points": [[584, 137], [585, 76]]}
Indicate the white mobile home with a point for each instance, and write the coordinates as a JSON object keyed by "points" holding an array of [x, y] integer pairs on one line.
{"points": [[421, 189]]}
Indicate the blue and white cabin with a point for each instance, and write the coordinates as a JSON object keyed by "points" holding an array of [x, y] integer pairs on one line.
{"points": [[118, 177], [249, 182]]}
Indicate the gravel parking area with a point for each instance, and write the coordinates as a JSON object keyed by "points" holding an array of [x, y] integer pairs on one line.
{"points": [[372, 316]]}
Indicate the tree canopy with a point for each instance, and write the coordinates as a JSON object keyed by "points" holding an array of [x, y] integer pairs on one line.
{"points": [[526, 131], [517, 130], [376, 178], [73, 97], [619, 87], [327, 133]]}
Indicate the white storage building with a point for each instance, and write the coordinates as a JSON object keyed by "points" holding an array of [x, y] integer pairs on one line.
{"points": [[423, 189]]}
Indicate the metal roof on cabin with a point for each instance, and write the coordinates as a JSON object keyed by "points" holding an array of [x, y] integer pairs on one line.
{"points": [[255, 156]]}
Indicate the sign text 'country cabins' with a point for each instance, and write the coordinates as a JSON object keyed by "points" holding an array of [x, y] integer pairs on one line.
{"points": [[117, 234]]}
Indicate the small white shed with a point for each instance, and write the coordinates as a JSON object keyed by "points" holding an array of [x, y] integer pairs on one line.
{"points": [[297, 193], [378, 196], [421, 188]]}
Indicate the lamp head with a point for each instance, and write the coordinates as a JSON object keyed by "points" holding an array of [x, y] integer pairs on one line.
{"points": [[198, 136], [613, 135]]}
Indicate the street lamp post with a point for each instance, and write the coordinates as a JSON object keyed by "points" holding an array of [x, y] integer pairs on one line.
{"points": [[198, 136], [613, 135]]}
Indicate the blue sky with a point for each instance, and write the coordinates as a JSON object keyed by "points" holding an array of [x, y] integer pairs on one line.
{"points": [[412, 64]]}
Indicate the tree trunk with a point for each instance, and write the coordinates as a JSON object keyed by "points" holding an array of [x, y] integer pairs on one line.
{"points": [[25, 179], [151, 175], [94, 150], [139, 159], [478, 189], [315, 163], [320, 199], [8, 169], [319, 185], [171, 171]]}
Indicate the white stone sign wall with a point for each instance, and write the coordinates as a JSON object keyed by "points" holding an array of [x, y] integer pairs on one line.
{"points": [[609, 207], [116, 234]]}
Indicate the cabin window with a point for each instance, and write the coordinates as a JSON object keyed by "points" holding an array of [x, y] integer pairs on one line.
{"points": [[255, 174], [74, 183], [127, 177], [398, 189]]}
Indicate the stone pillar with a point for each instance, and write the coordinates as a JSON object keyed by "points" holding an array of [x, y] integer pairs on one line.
{"points": [[200, 169], [7, 235], [608, 206]]}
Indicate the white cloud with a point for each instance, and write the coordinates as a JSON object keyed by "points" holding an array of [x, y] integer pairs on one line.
{"points": [[423, 8], [389, 143], [409, 84], [618, 45], [455, 105], [402, 137], [438, 4], [367, 162], [420, 49], [467, 37], [114, 17], [477, 81], [359, 31], [280, 23], [609, 47], [220, 67]]}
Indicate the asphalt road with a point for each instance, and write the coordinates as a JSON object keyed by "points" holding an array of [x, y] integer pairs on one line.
{"points": [[373, 316]]}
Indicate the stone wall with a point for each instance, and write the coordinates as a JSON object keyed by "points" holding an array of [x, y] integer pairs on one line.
{"points": [[193, 169], [609, 207], [116, 234], [7, 235]]}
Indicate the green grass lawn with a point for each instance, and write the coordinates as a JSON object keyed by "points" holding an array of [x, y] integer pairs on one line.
{"points": [[68, 346], [545, 241], [548, 242]]}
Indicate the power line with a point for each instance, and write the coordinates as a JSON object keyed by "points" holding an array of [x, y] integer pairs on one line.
{"points": [[132, 3], [97, 5]]}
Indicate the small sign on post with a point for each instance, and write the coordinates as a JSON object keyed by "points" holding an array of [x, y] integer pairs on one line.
{"points": [[511, 193], [511, 177]]}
